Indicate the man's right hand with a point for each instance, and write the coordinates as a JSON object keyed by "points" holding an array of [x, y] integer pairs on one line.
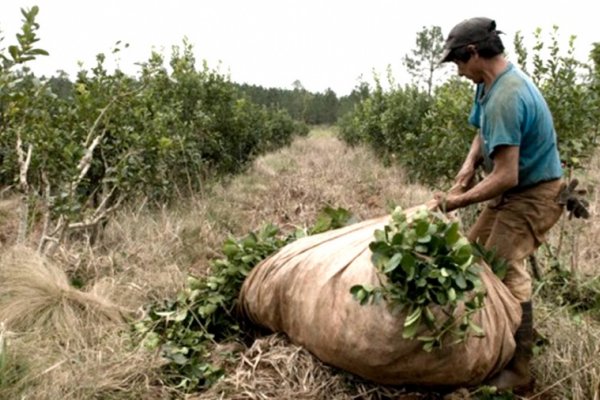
{"points": [[464, 179]]}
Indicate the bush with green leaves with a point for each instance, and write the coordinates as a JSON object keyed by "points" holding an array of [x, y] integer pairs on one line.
{"points": [[433, 153], [384, 119], [425, 266]]}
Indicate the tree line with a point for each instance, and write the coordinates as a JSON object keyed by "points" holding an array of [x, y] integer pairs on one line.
{"points": [[314, 108]]}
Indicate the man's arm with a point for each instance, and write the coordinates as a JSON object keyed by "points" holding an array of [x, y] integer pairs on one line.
{"points": [[504, 176]]}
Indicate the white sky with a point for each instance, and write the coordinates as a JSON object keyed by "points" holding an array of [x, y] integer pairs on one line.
{"points": [[322, 43]]}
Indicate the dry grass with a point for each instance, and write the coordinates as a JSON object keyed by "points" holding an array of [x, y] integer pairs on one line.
{"points": [[294, 184], [36, 295], [61, 342], [569, 368], [274, 368], [9, 222], [79, 350]]}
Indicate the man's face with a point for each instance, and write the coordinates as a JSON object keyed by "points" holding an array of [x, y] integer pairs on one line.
{"points": [[469, 69]]}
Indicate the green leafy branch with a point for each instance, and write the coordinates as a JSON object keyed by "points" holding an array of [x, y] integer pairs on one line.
{"points": [[427, 269], [25, 51]]}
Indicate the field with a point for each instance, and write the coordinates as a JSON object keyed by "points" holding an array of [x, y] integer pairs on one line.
{"points": [[66, 319]]}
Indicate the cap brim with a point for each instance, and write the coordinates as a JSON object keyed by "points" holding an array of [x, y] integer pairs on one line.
{"points": [[445, 55]]}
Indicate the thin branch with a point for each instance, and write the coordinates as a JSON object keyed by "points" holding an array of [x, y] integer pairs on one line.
{"points": [[86, 161], [99, 214], [97, 121], [24, 162]]}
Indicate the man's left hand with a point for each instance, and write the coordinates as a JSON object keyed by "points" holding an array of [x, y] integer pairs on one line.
{"points": [[446, 201]]}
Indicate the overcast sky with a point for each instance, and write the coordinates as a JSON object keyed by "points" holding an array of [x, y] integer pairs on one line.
{"points": [[322, 43]]}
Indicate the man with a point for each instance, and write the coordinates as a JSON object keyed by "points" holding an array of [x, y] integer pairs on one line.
{"points": [[516, 145]]}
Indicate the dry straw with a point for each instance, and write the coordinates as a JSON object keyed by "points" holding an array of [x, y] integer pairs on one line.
{"points": [[35, 294], [273, 368]]}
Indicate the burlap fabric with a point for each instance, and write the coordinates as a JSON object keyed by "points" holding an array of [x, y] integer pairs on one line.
{"points": [[303, 291]]}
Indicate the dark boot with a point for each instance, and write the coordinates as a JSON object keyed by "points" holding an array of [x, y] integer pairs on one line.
{"points": [[516, 374]]}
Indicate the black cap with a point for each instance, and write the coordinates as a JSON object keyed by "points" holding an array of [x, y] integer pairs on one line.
{"points": [[467, 32]]}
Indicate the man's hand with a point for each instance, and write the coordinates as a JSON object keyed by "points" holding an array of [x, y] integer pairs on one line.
{"points": [[447, 202], [465, 177]]}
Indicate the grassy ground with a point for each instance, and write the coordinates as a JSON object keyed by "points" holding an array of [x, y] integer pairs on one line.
{"points": [[58, 342]]}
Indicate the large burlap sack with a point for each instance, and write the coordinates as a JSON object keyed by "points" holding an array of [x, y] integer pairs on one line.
{"points": [[304, 291]]}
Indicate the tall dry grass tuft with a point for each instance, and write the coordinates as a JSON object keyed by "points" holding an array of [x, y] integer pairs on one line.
{"points": [[35, 294], [67, 343]]}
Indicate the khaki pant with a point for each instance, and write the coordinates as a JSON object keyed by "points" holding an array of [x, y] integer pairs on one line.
{"points": [[515, 226]]}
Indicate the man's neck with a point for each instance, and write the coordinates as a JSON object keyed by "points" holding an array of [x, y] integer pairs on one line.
{"points": [[493, 67]]}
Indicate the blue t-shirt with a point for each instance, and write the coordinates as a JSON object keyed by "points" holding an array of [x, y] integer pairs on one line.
{"points": [[514, 113]]}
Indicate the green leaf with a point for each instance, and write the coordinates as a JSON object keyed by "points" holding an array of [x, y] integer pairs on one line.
{"points": [[380, 236], [428, 347], [459, 279], [476, 328], [14, 53], [180, 315], [230, 249], [408, 264], [322, 224], [355, 289], [178, 358], [421, 228], [424, 239], [379, 260], [248, 259], [207, 310], [452, 235], [37, 52], [462, 253], [413, 317], [421, 249], [452, 294], [397, 239], [361, 293], [250, 241], [410, 331], [393, 263], [441, 298], [429, 315]]}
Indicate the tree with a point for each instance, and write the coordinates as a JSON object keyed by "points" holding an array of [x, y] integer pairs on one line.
{"points": [[424, 61]]}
